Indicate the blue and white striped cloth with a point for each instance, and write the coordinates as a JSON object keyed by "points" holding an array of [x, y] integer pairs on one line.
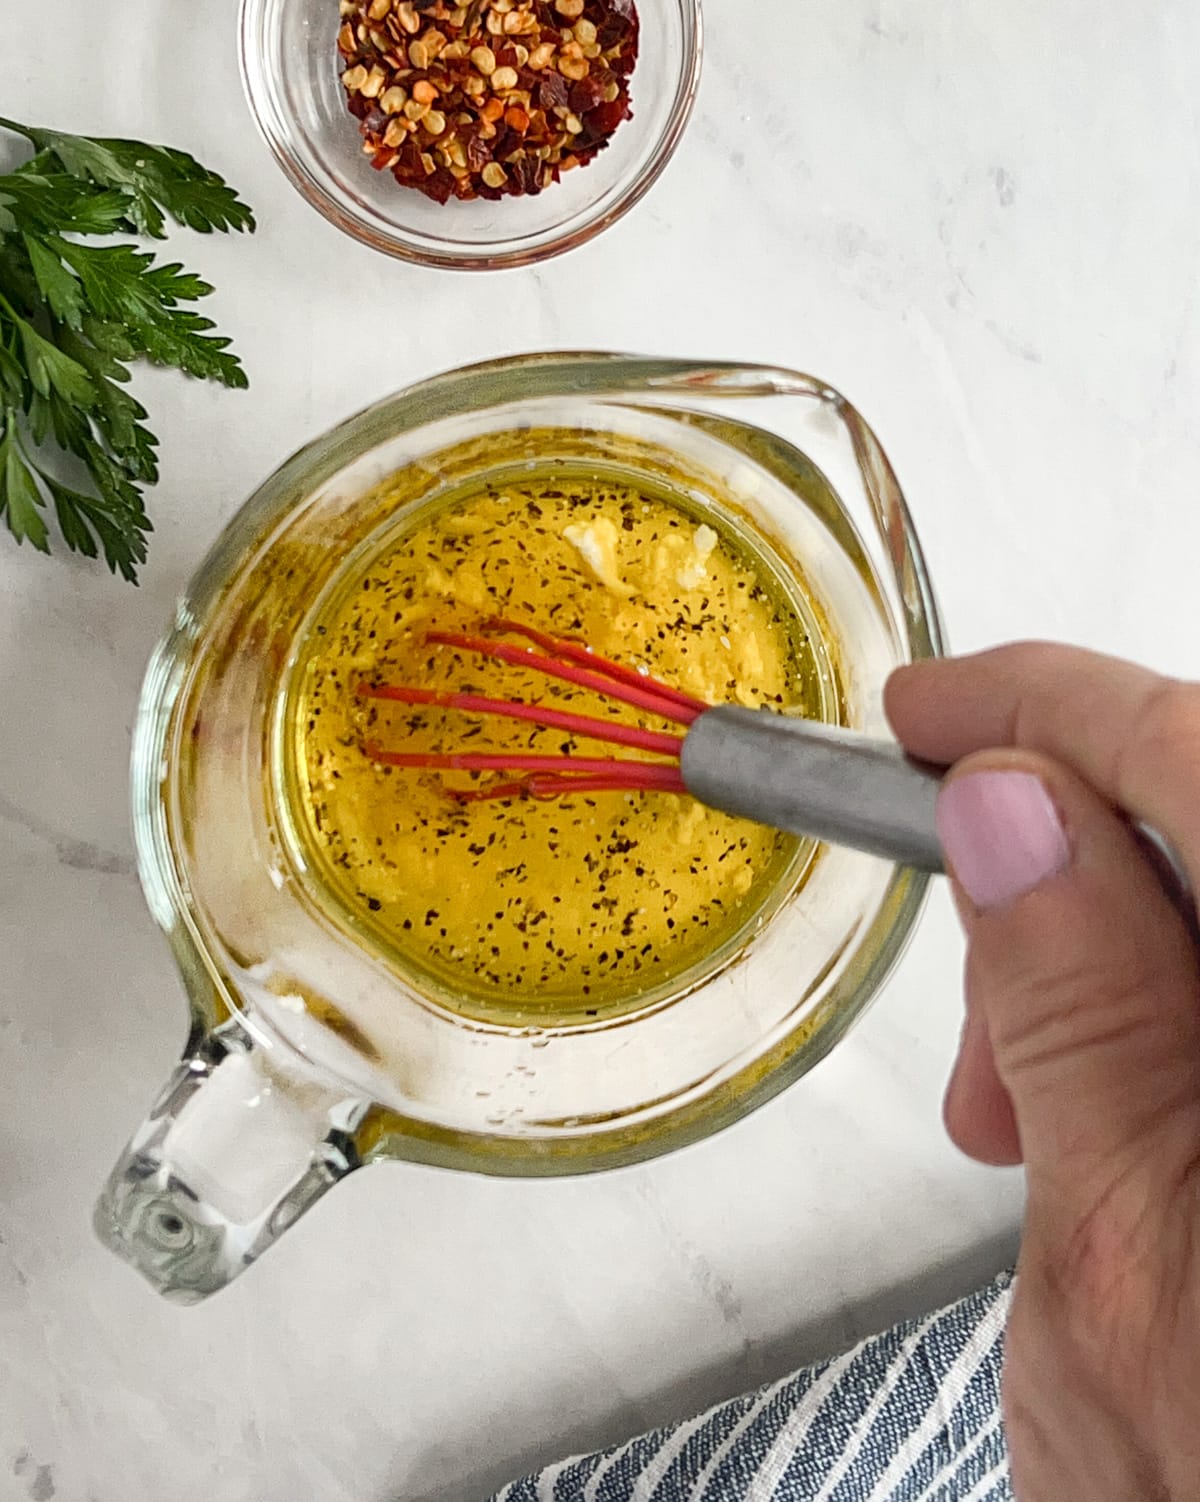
{"points": [[910, 1416]]}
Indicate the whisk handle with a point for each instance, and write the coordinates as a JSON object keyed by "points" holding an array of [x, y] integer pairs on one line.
{"points": [[816, 780], [843, 787]]}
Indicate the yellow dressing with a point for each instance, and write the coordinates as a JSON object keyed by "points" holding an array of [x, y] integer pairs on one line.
{"points": [[538, 911]]}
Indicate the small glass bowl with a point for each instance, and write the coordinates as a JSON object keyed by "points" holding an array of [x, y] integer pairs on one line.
{"points": [[290, 71]]}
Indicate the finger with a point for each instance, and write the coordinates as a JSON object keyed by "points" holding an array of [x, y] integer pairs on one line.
{"points": [[978, 1110], [1132, 734], [1077, 963]]}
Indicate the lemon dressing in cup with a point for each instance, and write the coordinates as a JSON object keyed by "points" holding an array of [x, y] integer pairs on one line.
{"points": [[320, 1040], [536, 910]]}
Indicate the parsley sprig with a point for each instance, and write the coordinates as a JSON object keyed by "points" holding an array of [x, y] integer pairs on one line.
{"points": [[74, 315]]}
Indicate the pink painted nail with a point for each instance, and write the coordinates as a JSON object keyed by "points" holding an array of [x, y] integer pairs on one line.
{"points": [[1001, 834]]}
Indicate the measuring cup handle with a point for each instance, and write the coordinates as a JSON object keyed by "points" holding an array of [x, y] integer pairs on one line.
{"points": [[231, 1155]]}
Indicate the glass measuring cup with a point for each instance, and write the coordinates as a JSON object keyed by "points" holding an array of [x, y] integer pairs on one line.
{"points": [[311, 1052]]}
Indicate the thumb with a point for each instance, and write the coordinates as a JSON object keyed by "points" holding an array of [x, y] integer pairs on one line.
{"points": [[1083, 990]]}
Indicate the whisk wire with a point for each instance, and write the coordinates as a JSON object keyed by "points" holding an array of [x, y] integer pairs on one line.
{"points": [[550, 776], [513, 709], [650, 700]]}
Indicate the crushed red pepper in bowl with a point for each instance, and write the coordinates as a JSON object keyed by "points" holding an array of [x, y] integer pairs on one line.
{"points": [[489, 99]]}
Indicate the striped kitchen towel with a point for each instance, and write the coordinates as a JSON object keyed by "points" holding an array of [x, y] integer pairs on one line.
{"points": [[910, 1416]]}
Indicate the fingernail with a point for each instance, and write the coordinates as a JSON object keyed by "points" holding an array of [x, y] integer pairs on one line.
{"points": [[1001, 834]]}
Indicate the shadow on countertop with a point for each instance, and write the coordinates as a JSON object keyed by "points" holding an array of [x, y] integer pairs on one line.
{"points": [[791, 1350]]}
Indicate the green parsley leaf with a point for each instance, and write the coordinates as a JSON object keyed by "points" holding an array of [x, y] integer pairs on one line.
{"points": [[122, 285], [12, 378], [120, 529], [21, 501], [59, 287], [116, 414], [74, 315], [60, 203], [51, 370], [157, 179]]}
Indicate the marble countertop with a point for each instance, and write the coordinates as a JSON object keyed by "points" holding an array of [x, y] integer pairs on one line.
{"points": [[981, 222]]}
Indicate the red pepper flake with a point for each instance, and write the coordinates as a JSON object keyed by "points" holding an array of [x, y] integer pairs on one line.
{"points": [[489, 98]]}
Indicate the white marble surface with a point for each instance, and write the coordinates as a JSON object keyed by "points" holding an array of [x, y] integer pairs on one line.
{"points": [[983, 223]]}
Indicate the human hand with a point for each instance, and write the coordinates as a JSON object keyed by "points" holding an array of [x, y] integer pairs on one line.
{"points": [[1081, 1051]]}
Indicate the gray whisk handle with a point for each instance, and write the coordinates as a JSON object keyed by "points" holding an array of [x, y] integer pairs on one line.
{"points": [[815, 780]]}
